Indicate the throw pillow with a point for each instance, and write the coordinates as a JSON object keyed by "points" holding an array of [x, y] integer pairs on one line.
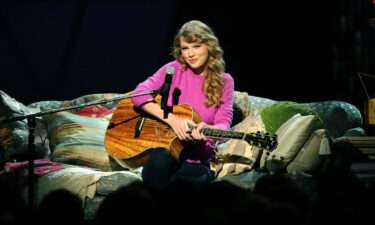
{"points": [[78, 140], [94, 111], [241, 106], [309, 159], [292, 135], [235, 156], [45, 105], [14, 135], [276, 114]]}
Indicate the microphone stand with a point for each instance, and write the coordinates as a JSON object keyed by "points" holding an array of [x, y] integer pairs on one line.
{"points": [[164, 92], [31, 125]]}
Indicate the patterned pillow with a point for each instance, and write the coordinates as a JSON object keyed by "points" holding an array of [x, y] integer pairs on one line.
{"points": [[241, 105], [45, 105], [14, 135], [235, 156], [258, 103], [78, 140], [94, 111]]}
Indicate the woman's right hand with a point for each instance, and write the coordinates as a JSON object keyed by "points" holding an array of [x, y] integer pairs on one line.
{"points": [[180, 127]]}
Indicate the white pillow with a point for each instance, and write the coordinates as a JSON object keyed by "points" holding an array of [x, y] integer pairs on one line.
{"points": [[308, 159], [292, 135]]}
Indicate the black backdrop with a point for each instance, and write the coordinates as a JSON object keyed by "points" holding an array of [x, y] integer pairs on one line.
{"points": [[59, 50]]}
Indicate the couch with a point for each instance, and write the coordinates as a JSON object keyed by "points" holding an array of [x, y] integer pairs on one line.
{"points": [[339, 119], [70, 152]]}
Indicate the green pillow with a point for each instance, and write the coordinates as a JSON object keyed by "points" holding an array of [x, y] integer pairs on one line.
{"points": [[274, 115]]}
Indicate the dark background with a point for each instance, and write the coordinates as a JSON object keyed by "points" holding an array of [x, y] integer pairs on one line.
{"points": [[300, 51]]}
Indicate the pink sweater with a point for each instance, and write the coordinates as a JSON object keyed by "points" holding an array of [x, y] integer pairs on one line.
{"points": [[190, 86]]}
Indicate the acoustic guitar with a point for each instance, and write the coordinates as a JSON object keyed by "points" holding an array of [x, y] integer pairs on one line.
{"points": [[132, 133]]}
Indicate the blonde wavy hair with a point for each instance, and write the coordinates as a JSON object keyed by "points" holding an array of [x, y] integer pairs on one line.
{"points": [[196, 31]]}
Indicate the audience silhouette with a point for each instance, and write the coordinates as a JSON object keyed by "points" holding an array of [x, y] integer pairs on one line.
{"points": [[13, 208], [343, 199], [133, 203], [61, 206], [275, 198]]}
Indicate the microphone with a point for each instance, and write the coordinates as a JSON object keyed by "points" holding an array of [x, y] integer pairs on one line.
{"points": [[164, 90]]}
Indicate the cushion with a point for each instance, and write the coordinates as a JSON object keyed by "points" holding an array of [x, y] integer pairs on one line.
{"points": [[94, 111], [79, 180], [276, 114], [292, 135], [78, 140], [258, 103], [14, 135], [337, 116], [309, 159], [45, 105], [241, 106], [235, 156], [357, 131]]}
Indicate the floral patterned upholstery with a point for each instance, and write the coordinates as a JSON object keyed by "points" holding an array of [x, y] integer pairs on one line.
{"points": [[45, 105], [340, 118]]}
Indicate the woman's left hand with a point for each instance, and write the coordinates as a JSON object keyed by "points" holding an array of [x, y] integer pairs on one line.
{"points": [[197, 134]]}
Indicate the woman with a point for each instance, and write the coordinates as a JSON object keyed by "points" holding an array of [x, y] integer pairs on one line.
{"points": [[200, 81]]}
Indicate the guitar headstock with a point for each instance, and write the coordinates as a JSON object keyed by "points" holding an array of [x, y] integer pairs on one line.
{"points": [[261, 139]]}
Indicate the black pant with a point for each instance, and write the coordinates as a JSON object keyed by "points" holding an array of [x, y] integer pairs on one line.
{"points": [[160, 169]]}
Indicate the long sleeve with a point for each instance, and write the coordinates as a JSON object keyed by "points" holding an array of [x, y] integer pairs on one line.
{"points": [[224, 114], [151, 83]]}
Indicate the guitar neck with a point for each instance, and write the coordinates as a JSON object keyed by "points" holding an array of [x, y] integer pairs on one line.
{"points": [[259, 139], [226, 134]]}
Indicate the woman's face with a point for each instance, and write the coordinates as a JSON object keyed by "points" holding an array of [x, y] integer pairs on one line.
{"points": [[195, 55]]}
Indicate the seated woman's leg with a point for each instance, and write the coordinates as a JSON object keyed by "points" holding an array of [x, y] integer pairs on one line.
{"points": [[196, 173], [158, 168]]}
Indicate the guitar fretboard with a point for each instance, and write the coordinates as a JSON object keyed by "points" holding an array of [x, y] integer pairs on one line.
{"points": [[256, 139], [227, 134]]}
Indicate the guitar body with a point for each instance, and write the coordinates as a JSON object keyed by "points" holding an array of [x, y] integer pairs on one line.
{"points": [[129, 147]]}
